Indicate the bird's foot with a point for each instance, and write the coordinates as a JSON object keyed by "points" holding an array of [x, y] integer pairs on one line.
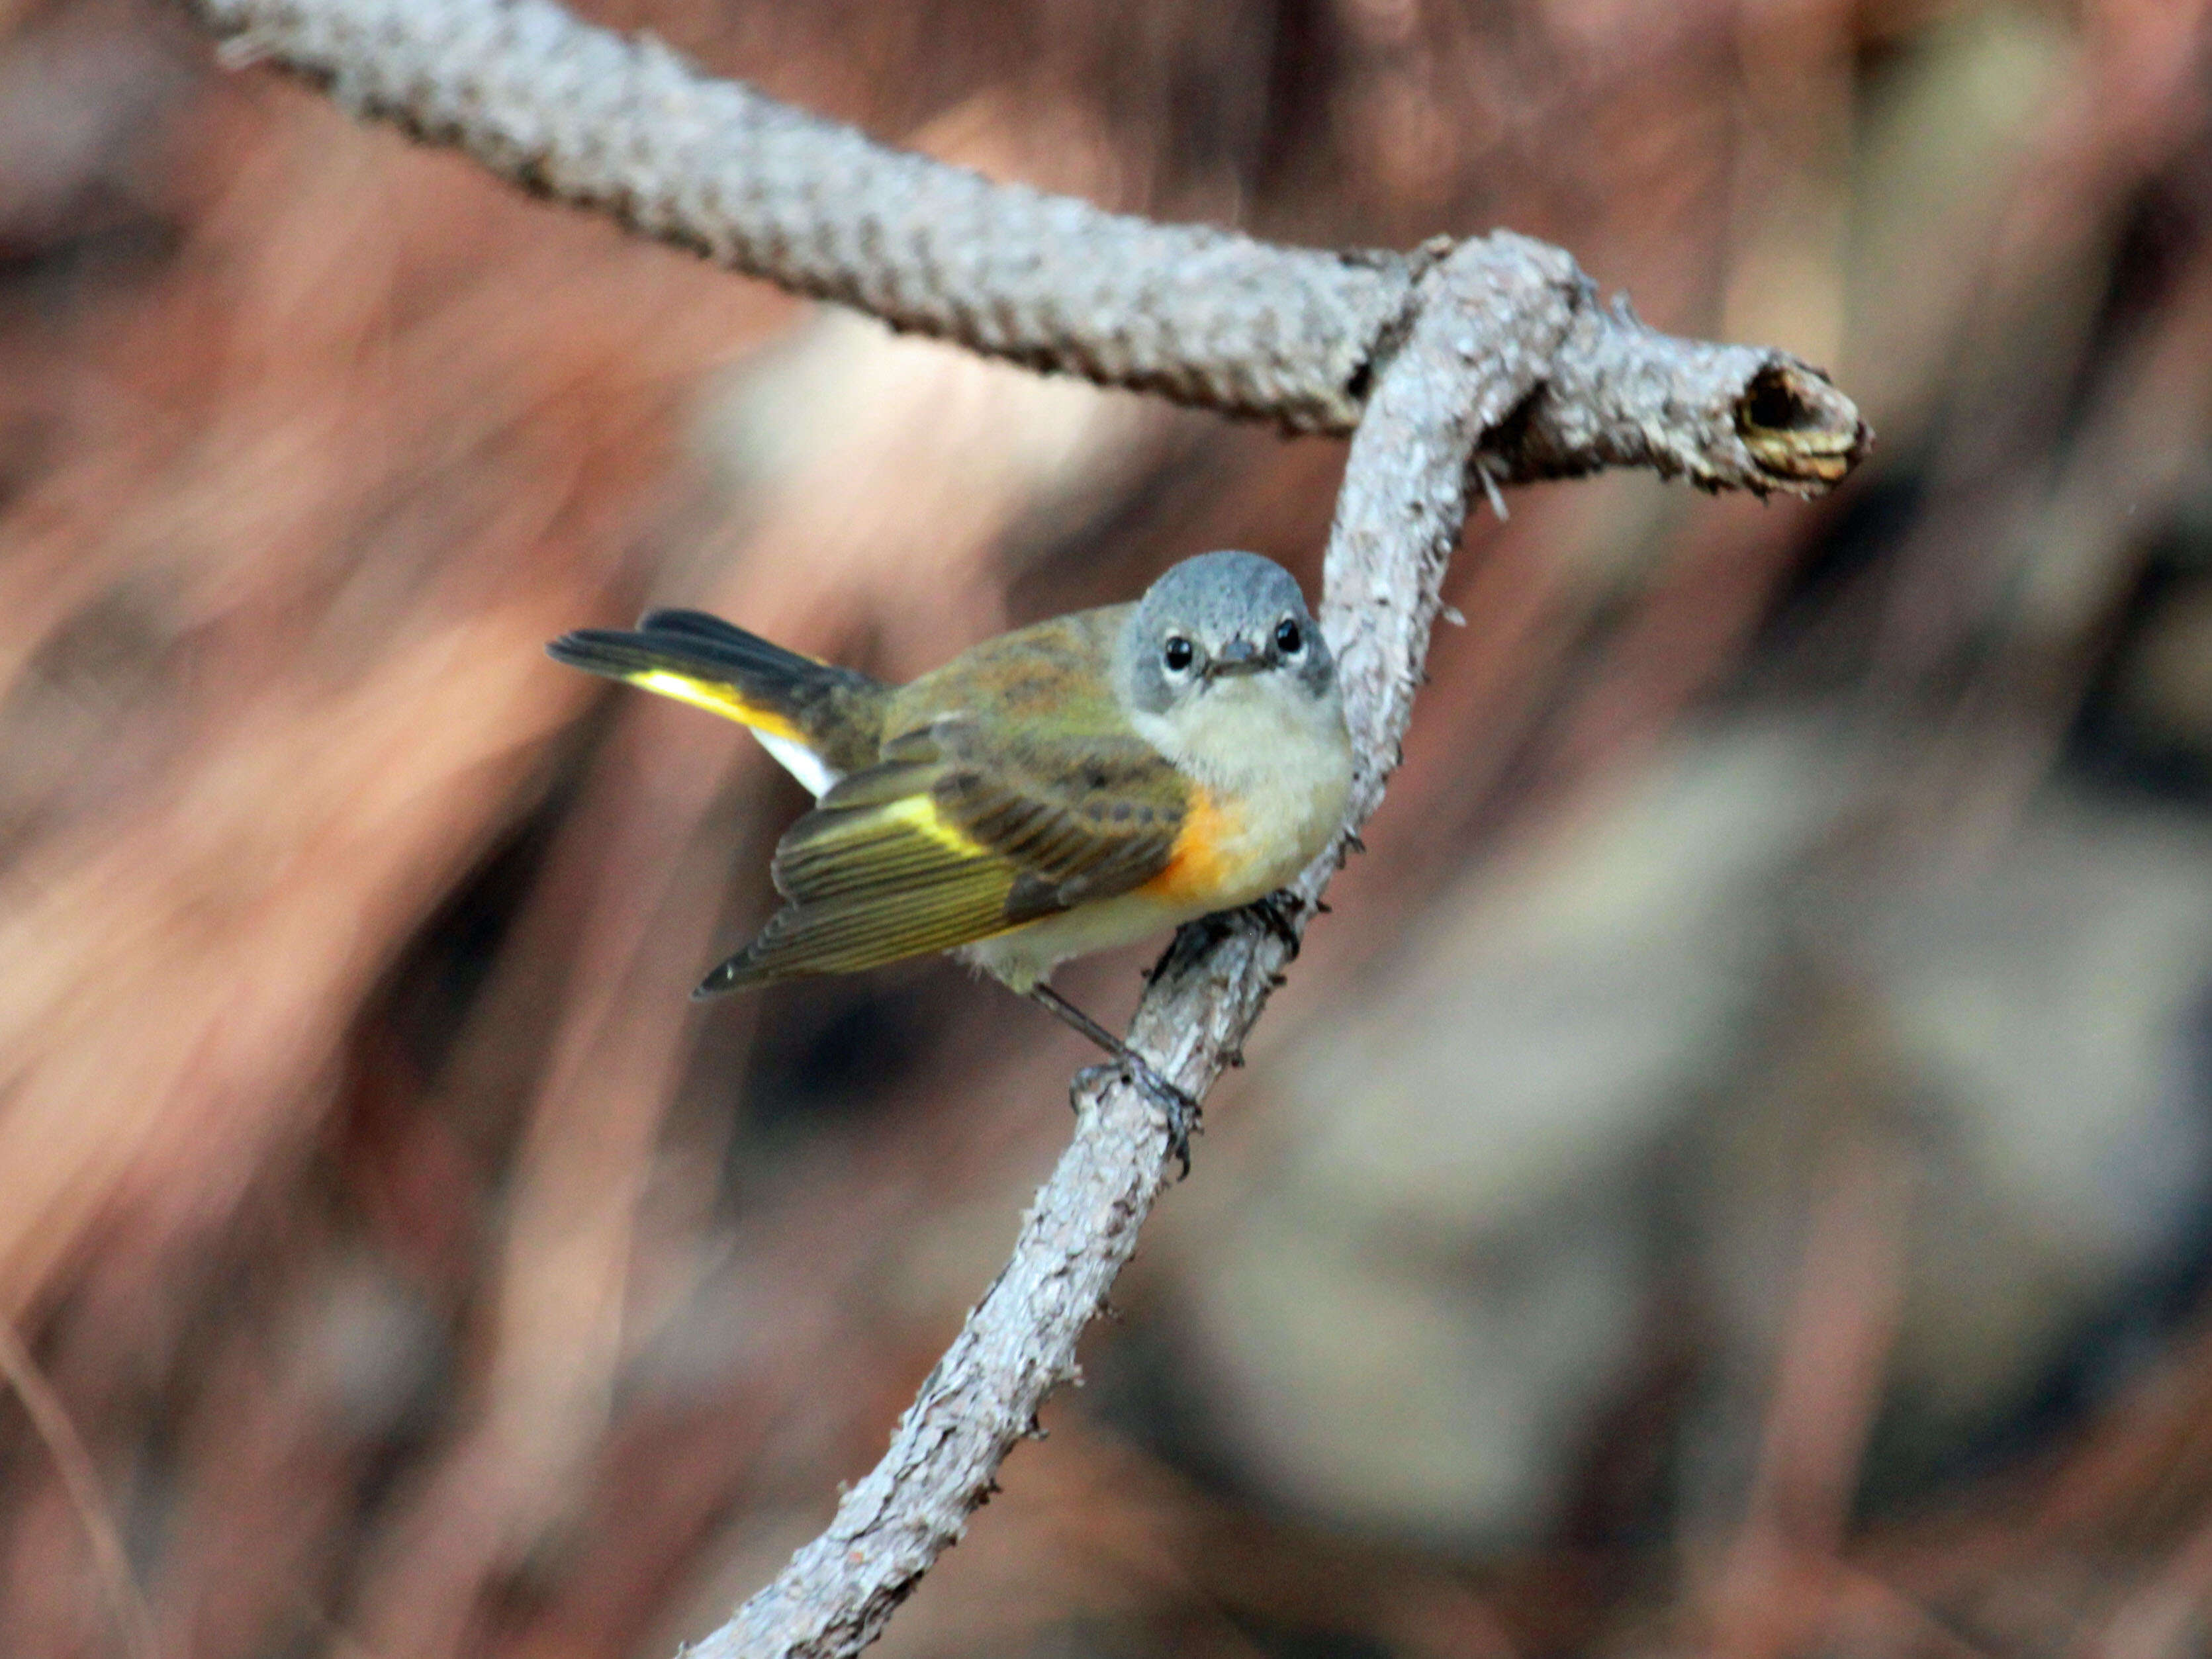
{"points": [[1277, 913], [1181, 1111], [1194, 938]]}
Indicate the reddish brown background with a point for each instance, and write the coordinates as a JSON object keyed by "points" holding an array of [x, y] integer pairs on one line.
{"points": [[1734, 1174]]}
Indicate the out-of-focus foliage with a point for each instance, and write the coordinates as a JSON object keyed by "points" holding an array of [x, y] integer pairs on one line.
{"points": [[1734, 1173]]}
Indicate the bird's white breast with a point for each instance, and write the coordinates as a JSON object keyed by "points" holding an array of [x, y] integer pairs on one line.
{"points": [[1277, 760]]}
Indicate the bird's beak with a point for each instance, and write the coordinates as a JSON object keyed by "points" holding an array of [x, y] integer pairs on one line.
{"points": [[1237, 657]]}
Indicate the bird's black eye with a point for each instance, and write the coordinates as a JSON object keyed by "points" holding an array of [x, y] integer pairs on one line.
{"points": [[1178, 654], [1288, 638]]}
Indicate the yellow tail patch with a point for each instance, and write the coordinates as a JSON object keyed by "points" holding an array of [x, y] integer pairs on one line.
{"points": [[783, 741], [715, 699]]}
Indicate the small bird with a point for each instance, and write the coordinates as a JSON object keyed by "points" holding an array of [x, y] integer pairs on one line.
{"points": [[1064, 788]]}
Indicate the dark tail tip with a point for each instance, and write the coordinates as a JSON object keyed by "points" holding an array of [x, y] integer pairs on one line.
{"points": [[729, 976], [598, 651]]}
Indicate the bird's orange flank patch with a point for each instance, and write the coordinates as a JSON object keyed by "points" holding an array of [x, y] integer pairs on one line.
{"points": [[1209, 857]]}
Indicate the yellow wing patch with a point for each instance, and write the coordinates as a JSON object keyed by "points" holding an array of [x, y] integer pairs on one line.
{"points": [[879, 849], [875, 874], [921, 811]]}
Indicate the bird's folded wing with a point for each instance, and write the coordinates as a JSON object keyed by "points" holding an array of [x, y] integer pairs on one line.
{"points": [[956, 835]]}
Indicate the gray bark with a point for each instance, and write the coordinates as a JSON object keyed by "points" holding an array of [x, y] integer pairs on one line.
{"points": [[1201, 315]]}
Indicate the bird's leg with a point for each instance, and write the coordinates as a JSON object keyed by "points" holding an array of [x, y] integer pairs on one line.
{"points": [[1180, 1110]]}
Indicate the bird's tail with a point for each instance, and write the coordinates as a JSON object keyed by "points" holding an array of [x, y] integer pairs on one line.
{"points": [[820, 721]]}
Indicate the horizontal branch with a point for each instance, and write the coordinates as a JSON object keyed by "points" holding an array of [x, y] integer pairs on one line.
{"points": [[626, 126], [1208, 317]]}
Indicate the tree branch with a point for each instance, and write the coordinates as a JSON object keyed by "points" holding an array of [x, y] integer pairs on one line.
{"points": [[1496, 344], [1204, 316], [1489, 319]]}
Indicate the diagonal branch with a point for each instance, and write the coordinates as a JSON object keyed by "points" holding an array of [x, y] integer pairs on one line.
{"points": [[1204, 316], [111, 1560]]}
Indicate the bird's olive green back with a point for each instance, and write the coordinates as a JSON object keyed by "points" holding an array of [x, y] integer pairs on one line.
{"points": [[1009, 786]]}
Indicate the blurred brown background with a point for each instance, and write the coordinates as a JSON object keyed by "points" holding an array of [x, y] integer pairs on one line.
{"points": [[1733, 1175]]}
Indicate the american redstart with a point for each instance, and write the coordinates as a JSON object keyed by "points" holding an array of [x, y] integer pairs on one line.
{"points": [[1064, 788]]}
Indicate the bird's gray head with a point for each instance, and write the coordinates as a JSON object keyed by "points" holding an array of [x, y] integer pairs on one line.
{"points": [[1218, 620]]}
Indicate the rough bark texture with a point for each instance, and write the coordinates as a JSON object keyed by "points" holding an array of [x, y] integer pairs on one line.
{"points": [[1495, 345], [1202, 315]]}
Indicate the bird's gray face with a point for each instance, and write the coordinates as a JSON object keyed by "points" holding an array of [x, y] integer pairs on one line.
{"points": [[1220, 620]]}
